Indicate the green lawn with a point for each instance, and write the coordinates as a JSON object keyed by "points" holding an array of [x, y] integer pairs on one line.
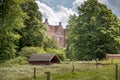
{"points": [[61, 71], [85, 73]]}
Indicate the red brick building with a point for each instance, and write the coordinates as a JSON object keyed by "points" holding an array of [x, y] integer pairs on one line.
{"points": [[57, 32]]}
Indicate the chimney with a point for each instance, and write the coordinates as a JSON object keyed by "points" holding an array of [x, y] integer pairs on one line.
{"points": [[46, 21], [59, 23]]}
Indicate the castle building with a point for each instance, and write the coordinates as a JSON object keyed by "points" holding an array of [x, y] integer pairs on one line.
{"points": [[57, 32]]}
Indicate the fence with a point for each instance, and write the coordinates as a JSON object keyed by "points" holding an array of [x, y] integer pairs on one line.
{"points": [[63, 71], [86, 71]]}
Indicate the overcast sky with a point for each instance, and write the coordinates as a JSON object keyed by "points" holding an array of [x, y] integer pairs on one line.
{"points": [[59, 10]]}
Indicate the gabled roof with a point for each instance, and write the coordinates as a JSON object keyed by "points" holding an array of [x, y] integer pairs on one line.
{"points": [[41, 57], [113, 55]]}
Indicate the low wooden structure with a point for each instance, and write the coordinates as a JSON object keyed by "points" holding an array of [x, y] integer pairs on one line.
{"points": [[43, 59], [112, 56]]}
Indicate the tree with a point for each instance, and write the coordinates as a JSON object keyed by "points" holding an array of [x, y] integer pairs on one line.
{"points": [[97, 31], [33, 33], [12, 21], [49, 42], [70, 49]]}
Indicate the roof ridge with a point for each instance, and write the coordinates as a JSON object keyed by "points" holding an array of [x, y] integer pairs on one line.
{"points": [[41, 57]]}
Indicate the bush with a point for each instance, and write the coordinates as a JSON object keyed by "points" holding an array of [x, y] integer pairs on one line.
{"points": [[49, 42], [18, 60], [27, 51], [60, 53]]}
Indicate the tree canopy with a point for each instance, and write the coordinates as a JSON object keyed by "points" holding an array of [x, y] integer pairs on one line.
{"points": [[12, 20], [21, 25], [96, 31], [32, 34]]}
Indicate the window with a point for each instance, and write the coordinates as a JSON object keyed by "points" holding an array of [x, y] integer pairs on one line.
{"points": [[61, 39]]}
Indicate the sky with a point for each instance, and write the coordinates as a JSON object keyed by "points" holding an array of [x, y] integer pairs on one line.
{"points": [[59, 10]]}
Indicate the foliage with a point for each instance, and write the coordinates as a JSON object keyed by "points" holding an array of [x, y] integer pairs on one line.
{"points": [[96, 32], [21, 26], [27, 51], [33, 33], [12, 21], [70, 49], [49, 42], [59, 52], [15, 61]]}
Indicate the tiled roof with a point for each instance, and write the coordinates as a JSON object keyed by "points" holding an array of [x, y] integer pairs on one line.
{"points": [[41, 57]]}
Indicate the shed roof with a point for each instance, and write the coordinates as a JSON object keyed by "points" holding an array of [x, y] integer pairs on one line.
{"points": [[112, 54], [41, 57]]}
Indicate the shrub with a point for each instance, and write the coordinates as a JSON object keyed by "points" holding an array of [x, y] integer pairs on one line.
{"points": [[18, 60], [59, 52], [49, 42], [27, 51]]}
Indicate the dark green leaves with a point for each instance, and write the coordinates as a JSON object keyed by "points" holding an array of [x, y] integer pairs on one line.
{"points": [[96, 31]]}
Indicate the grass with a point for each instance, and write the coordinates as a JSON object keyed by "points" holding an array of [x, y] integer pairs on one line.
{"points": [[104, 73], [61, 71]]}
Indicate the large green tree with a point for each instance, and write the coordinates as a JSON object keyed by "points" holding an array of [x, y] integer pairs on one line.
{"points": [[12, 20], [71, 37], [34, 32], [97, 31]]}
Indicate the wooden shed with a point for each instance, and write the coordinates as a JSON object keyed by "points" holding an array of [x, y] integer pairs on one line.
{"points": [[112, 56], [43, 59]]}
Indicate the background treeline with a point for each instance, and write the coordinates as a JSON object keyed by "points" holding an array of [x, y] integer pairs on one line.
{"points": [[21, 28], [93, 33]]}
